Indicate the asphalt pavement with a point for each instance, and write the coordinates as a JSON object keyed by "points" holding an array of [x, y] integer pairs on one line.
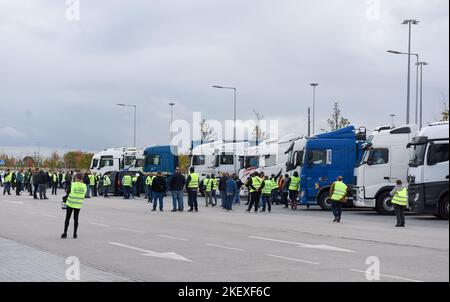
{"points": [[123, 240]]}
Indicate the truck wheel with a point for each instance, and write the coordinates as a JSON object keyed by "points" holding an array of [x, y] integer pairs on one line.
{"points": [[384, 204], [325, 201], [443, 208]]}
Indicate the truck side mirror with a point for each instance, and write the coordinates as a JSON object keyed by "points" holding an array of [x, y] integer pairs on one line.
{"points": [[370, 163]]}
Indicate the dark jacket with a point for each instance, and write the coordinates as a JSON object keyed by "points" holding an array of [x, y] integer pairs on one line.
{"points": [[223, 184], [177, 182], [41, 178], [159, 185]]}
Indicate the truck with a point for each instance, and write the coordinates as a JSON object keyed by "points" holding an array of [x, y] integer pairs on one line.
{"points": [[228, 156], [428, 173], [327, 156], [204, 158], [116, 159], [161, 159], [385, 161], [295, 155]]}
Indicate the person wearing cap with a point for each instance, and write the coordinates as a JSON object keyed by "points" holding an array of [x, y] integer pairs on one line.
{"points": [[400, 201]]}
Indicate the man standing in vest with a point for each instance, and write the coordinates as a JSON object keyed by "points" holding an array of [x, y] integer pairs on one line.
{"points": [[192, 185], [267, 187], [338, 193], [208, 185], [106, 184], [127, 183], [400, 202], [54, 183], [148, 186], [254, 184], [74, 201], [93, 184], [294, 188], [7, 182]]}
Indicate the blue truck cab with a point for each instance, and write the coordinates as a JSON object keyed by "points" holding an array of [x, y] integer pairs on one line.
{"points": [[327, 156], [161, 159]]}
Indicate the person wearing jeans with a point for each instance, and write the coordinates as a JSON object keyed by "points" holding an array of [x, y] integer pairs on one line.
{"points": [[159, 188], [231, 191], [177, 183]]}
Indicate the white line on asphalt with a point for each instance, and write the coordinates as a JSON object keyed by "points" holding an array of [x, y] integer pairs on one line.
{"points": [[292, 259], [174, 238], [131, 230], [225, 247], [14, 202], [390, 276], [309, 246], [171, 255], [100, 224]]}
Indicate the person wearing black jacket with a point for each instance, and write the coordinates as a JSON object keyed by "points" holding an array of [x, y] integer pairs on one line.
{"points": [[42, 180], [87, 182], [177, 184], [223, 190], [159, 188]]}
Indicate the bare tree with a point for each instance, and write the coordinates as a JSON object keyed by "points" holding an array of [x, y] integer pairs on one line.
{"points": [[258, 133], [337, 121], [445, 109]]}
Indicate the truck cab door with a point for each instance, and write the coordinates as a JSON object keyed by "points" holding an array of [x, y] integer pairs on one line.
{"points": [[377, 171]]}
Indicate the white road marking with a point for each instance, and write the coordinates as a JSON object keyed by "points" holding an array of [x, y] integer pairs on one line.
{"points": [[308, 246], [131, 230], [292, 259], [171, 255], [174, 238], [225, 247], [100, 224], [389, 276], [14, 202]]}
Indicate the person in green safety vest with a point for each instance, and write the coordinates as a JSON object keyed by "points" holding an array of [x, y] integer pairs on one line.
{"points": [[106, 185], [54, 181], [254, 184], [294, 188], [148, 186], [266, 191], [214, 190], [7, 180], [208, 185], [127, 183], [74, 199], [338, 193], [192, 185], [400, 201]]}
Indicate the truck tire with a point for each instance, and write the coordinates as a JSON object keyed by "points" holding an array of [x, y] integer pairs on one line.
{"points": [[384, 205], [325, 201], [443, 208]]}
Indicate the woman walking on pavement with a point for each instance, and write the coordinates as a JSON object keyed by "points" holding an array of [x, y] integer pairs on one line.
{"points": [[74, 201]]}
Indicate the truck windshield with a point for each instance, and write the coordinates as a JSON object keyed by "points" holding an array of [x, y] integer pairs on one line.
{"points": [[94, 163], [251, 162], [198, 160], [139, 163], [106, 161], [227, 159], [418, 155], [129, 160]]}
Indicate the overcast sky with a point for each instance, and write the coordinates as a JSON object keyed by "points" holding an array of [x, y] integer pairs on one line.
{"points": [[60, 79]]}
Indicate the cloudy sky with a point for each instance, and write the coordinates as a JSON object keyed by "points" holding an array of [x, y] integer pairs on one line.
{"points": [[60, 79]]}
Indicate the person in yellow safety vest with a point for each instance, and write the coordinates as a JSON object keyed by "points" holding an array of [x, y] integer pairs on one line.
{"points": [[7, 179], [214, 190], [338, 193], [54, 183], [192, 185], [127, 183], [91, 183], [74, 201], [275, 187], [294, 188], [208, 185], [254, 184], [400, 201], [267, 188], [134, 180], [106, 184], [148, 186]]}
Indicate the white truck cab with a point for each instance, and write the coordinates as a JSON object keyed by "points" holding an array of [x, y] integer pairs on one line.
{"points": [[116, 159], [428, 173], [385, 161], [204, 158]]}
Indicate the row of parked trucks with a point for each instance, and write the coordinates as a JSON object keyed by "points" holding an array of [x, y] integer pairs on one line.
{"points": [[370, 164]]}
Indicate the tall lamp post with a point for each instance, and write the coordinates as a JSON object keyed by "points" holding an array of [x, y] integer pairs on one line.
{"points": [[314, 86], [235, 116], [132, 106], [171, 120], [417, 78], [421, 64], [409, 22]]}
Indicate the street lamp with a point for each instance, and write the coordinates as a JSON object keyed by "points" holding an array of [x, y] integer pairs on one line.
{"points": [[171, 120], [421, 64], [235, 116], [133, 106], [314, 86], [417, 78], [409, 22]]}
